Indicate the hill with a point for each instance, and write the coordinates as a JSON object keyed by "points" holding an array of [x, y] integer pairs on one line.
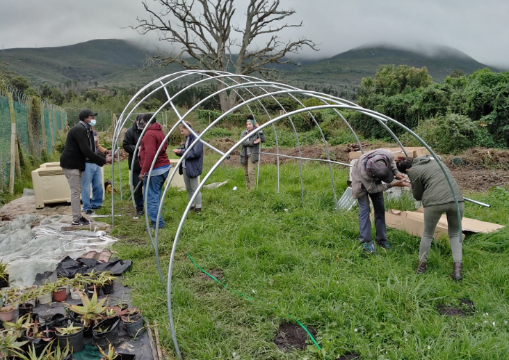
{"points": [[119, 62], [345, 71]]}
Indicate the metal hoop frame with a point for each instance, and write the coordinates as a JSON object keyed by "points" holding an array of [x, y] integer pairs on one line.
{"points": [[240, 84]]}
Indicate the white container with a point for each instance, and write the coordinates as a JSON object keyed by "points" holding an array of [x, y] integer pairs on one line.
{"points": [[75, 294], [45, 298]]}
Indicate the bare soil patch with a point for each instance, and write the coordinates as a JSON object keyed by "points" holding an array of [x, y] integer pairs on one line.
{"points": [[291, 336], [217, 273], [481, 180], [350, 356], [466, 308]]}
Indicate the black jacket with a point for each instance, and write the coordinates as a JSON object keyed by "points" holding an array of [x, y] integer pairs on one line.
{"points": [[78, 148], [129, 144], [194, 158]]}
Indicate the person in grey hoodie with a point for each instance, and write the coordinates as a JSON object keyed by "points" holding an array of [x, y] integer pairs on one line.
{"points": [[430, 186], [250, 152], [372, 174]]}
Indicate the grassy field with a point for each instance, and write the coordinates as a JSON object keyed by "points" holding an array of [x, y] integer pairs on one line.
{"points": [[305, 262]]}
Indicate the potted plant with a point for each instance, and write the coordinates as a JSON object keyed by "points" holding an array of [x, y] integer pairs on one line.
{"points": [[91, 283], [61, 290], [111, 355], [7, 313], [34, 354], [133, 322], [78, 285], [105, 280], [91, 311], [18, 327], [9, 345], [38, 339], [59, 354], [4, 276], [71, 336], [45, 293], [106, 331], [27, 301]]}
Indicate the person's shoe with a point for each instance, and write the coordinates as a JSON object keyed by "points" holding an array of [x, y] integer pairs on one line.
{"points": [[81, 222], [456, 271], [140, 213], [421, 267], [89, 212], [97, 207], [384, 245], [197, 210], [368, 248]]}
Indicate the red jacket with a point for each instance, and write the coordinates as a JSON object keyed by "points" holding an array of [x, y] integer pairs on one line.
{"points": [[150, 142]]}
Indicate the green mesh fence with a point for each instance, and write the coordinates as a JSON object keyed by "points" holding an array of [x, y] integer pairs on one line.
{"points": [[39, 125]]}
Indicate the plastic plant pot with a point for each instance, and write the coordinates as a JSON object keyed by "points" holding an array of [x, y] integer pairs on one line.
{"points": [[7, 313], [134, 328], [26, 308], [60, 294], [45, 298], [110, 336], [75, 341], [75, 294], [90, 291], [4, 282], [108, 289]]}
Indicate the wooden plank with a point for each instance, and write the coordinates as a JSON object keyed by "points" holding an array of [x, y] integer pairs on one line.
{"points": [[158, 346], [151, 341], [51, 129], [30, 129], [13, 144], [43, 124]]}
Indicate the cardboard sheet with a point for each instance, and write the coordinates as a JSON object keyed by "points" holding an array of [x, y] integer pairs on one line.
{"points": [[412, 222], [411, 151]]}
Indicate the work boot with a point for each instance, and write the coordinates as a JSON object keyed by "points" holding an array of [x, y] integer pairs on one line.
{"points": [[456, 271], [421, 267], [197, 210], [384, 244]]}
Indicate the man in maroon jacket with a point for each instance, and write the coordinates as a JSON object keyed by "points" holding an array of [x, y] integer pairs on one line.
{"points": [[150, 143]]}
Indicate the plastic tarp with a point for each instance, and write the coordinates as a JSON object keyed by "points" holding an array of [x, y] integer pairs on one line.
{"points": [[30, 245], [69, 267]]}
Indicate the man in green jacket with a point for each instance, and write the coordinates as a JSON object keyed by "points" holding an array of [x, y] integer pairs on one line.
{"points": [[430, 185]]}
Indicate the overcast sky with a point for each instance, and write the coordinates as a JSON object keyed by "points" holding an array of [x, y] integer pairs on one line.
{"points": [[478, 28]]}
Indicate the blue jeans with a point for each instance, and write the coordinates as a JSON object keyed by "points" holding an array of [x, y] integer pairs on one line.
{"points": [[153, 194], [365, 222], [91, 175]]}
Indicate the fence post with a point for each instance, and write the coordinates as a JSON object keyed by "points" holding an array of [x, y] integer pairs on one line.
{"points": [[18, 150], [13, 144], [51, 129], [44, 141], [30, 129]]}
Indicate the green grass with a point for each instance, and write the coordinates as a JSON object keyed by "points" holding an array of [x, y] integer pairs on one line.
{"points": [[306, 262]]}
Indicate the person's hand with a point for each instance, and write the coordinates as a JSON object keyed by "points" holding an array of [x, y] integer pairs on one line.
{"points": [[257, 141], [257, 125], [400, 176], [108, 159], [177, 151], [401, 183], [141, 177]]}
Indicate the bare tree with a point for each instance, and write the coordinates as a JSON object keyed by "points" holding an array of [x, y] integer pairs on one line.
{"points": [[204, 31]]}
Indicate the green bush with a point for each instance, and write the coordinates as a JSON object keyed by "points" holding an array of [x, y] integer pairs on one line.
{"points": [[449, 134]]}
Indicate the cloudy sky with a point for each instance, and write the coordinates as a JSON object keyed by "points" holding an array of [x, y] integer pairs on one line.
{"points": [[478, 28]]}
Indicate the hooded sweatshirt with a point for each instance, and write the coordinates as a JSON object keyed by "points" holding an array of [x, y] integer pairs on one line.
{"points": [[362, 182], [429, 183], [150, 142]]}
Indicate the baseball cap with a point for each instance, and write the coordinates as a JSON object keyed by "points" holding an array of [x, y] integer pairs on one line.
{"points": [[382, 172], [86, 113]]}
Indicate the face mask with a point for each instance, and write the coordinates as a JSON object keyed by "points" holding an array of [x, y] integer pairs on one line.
{"points": [[92, 122]]}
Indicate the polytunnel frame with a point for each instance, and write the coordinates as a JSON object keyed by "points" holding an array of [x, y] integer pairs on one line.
{"points": [[382, 119]]}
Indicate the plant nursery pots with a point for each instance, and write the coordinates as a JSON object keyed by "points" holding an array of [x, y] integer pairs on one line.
{"points": [[75, 294], [108, 289], [4, 282], [75, 340], [45, 298], [134, 329], [7, 313], [60, 294], [109, 335], [90, 291], [25, 309]]}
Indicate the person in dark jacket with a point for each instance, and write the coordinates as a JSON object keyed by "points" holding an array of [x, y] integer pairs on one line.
{"points": [[430, 186], [131, 138], [250, 151], [150, 143], [192, 166], [80, 146], [373, 174]]}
